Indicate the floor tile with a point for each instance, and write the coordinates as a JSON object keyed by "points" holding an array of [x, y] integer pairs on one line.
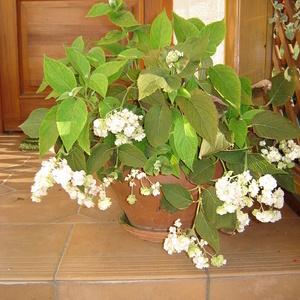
{"points": [[31, 252]]}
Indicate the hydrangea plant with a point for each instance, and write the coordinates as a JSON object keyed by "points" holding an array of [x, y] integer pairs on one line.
{"points": [[158, 107]]}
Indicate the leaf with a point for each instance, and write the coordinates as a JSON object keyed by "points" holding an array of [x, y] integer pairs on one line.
{"points": [[131, 54], [112, 70], [207, 231], [177, 195], [58, 76], [240, 130], [246, 91], [32, 125], [257, 163], [131, 156], [216, 33], [70, 118], [151, 80], [78, 44], [210, 202], [122, 19], [186, 141], [99, 83], [112, 37], [99, 9], [99, 157], [161, 31], [227, 83], [158, 123], [203, 171], [48, 132], [76, 158], [84, 136], [142, 41], [96, 57], [283, 87], [166, 205], [286, 181], [268, 124], [231, 156], [157, 98], [201, 113], [183, 28], [107, 105], [221, 143]]}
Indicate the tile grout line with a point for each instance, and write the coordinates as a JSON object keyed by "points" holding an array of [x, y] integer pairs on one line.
{"points": [[207, 284], [60, 260]]}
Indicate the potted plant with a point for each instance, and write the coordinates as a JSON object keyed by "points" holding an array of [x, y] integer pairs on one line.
{"points": [[135, 105]]}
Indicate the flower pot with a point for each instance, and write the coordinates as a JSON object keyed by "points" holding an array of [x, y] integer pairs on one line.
{"points": [[145, 218]]}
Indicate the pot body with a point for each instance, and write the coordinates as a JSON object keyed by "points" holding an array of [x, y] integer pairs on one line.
{"points": [[146, 212]]}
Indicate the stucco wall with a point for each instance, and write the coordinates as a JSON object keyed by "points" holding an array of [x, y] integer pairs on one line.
{"points": [[208, 11]]}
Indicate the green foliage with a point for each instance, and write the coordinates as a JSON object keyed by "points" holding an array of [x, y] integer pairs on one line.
{"points": [[192, 113]]}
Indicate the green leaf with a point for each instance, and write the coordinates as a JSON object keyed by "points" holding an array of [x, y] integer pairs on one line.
{"points": [[122, 19], [107, 105], [161, 31], [257, 163], [166, 205], [99, 9], [99, 157], [142, 41], [227, 83], [268, 124], [58, 76], [177, 195], [84, 136], [186, 141], [240, 130], [78, 44], [220, 143], [201, 113], [157, 98], [131, 54], [183, 28], [70, 118], [76, 158], [246, 91], [32, 125], [203, 171], [112, 70], [48, 131], [112, 37], [286, 181], [248, 115], [151, 80], [99, 83], [158, 123], [210, 202], [96, 57], [283, 87], [207, 231], [216, 33], [131, 156], [231, 156]]}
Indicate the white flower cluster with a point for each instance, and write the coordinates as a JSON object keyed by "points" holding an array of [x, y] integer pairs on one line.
{"points": [[77, 184], [239, 191], [153, 190], [178, 241], [172, 57], [123, 124], [282, 156]]}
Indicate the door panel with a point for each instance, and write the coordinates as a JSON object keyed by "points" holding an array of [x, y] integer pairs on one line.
{"points": [[31, 28]]}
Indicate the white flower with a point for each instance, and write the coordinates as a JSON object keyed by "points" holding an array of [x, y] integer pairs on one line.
{"points": [[279, 196], [243, 220], [268, 182], [172, 57], [78, 178], [131, 199], [177, 223], [267, 215], [104, 203]]}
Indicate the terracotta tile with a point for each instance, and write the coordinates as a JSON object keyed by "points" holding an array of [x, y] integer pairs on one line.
{"points": [[107, 252], [17, 207], [5, 190], [155, 289], [43, 291], [31, 252], [20, 181], [256, 287]]}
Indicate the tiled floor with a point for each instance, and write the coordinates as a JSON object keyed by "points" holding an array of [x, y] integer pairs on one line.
{"points": [[56, 250]]}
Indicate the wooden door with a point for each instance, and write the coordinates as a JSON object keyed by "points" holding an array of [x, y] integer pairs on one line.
{"points": [[31, 28]]}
